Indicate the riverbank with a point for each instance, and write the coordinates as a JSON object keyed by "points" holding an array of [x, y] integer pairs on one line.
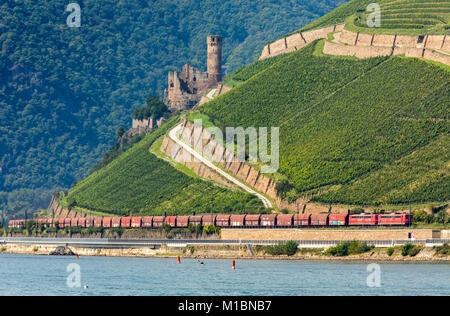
{"points": [[229, 252]]}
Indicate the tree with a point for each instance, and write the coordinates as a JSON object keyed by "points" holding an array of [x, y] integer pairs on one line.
{"points": [[120, 132]]}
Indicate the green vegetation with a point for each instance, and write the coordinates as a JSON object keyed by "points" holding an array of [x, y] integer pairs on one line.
{"points": [[62, 99], [154, 108], [411, 250], [390, 251], [442, 250], [438, 216], [339, 15], [138, 182], [426, 16], [349, 248], [289, 248], [285, 89], [340, 132]]}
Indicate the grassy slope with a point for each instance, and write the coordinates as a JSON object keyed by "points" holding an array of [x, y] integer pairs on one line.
{"points": [[336, 130], [139, 182], [397, 17]]}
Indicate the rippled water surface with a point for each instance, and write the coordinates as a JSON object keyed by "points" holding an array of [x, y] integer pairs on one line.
{"points": [[46, 275]]}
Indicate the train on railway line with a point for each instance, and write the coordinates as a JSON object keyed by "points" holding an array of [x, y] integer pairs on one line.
{"points": [[228, 221]]}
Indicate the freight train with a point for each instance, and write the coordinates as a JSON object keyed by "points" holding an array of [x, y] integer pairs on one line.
{"points": [[228, 221]]}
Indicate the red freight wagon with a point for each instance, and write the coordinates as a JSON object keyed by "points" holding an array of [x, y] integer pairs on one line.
{"points": [[82, 222], [319, 219], [208, 220], [171, 220], [237, 220], [195, 220], [89, 222], [107, 222], [147, 221], [223, 220], [136, 222], [182, 221], [158, 221], [61, 222], [394, 219], [363, 219], [98, 222], [302, 219], [74, 222], [268, 220], [285, 220], [115, 222], [126, 222], [41, 222], [67, 222], [338, 219], [252, 220]]}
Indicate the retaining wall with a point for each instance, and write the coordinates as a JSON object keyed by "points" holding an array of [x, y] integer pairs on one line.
{"points": [[306, 234]]}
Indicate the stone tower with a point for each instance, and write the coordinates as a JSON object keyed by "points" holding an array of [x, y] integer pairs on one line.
{"points": [[214, 59]]}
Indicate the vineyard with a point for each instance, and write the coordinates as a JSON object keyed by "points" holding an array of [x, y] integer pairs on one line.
{"points": [[370, 131], [138, 182], [427, 15], [290, 86]]}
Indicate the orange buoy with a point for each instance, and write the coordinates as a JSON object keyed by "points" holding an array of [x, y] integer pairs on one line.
{"points": [[179, 260], [234, 265]]}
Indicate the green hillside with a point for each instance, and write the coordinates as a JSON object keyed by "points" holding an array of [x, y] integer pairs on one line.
{"points": [[140, 183], [346, 124], [65, 91]]}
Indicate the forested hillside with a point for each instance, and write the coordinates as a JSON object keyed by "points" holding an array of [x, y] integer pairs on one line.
{"points": [[65, 91], [366, 132]]}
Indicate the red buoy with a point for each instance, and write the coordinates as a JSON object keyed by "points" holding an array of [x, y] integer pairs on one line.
{"points": [[179, 260], [234, 265]]}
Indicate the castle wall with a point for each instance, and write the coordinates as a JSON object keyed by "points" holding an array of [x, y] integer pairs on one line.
{"points": [[296, 41]]}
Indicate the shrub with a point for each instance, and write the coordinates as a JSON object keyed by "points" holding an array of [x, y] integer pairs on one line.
{"points": [[390, 251], [289, 249], [349, 248], [442, 250], [411, 250]]}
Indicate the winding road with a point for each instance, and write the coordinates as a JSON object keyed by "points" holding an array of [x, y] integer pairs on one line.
{"points": [[173, 134]]}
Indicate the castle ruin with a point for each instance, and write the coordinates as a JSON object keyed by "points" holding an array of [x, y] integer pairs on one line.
{"points": [[185, 89]]}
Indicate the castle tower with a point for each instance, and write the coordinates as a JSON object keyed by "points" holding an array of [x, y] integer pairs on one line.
{"points": [[214, 59]]}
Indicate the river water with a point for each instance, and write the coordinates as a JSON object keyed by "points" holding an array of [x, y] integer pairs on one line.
{"points": [[47, 275]]}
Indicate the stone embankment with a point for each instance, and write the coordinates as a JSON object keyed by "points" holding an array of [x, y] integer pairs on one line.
{"points": [[360, 45], [226, 252]]}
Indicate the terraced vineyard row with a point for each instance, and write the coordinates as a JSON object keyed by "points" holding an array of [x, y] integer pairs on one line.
{"points": [[404, 14]]}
